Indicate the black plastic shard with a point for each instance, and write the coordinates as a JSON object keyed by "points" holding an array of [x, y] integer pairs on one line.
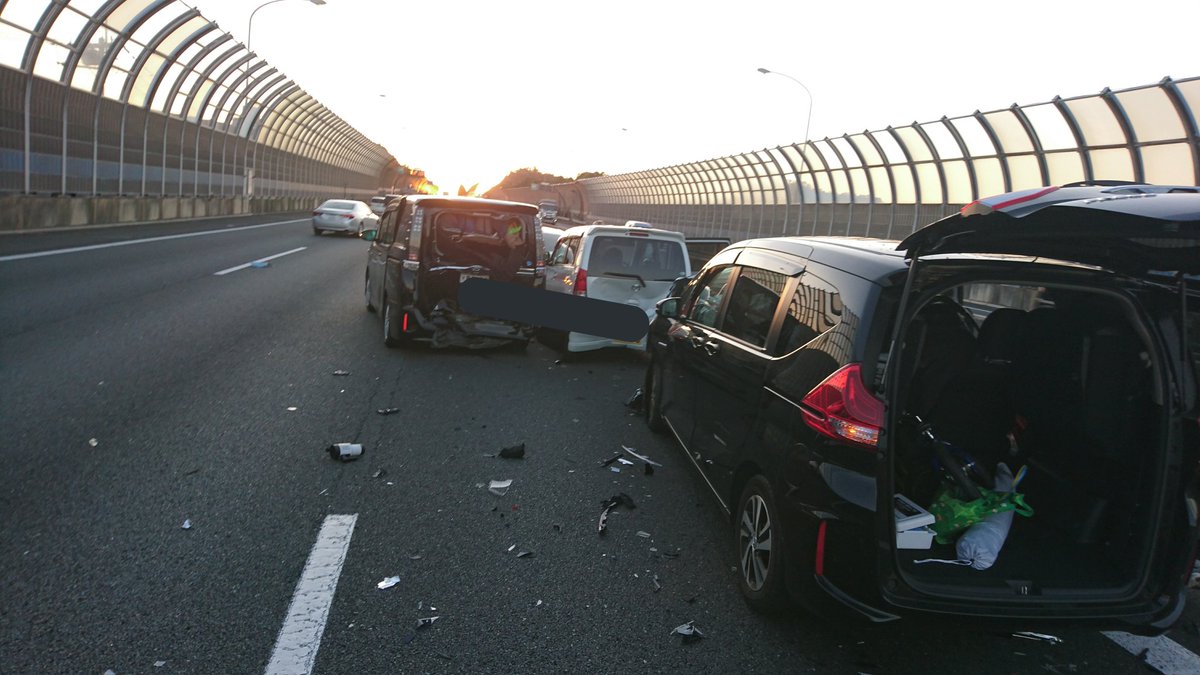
{"points": [[610, 460], [635, 402], [611, 503], [513, 451], [388, 411]]}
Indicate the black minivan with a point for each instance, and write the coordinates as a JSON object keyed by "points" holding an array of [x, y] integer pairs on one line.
{"points": [[831, 390], [427, 245]]}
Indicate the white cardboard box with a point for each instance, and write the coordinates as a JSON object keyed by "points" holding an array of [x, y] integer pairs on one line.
{"points": [[921, 537], [909, 515]]}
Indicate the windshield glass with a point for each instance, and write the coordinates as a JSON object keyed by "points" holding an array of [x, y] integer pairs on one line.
{"points": [[339, 205]]}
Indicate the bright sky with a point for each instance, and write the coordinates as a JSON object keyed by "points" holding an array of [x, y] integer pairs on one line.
{"points": [[469, 90]]}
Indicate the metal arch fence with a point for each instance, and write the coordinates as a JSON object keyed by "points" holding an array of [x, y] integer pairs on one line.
{"points": [[887, 183], [149, 98]]}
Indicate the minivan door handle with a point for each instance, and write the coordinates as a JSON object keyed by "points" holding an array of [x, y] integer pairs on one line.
{"points": [[711, 348]]}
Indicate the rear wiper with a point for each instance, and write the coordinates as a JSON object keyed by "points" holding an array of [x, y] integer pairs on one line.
{"points": [[626, 275]]}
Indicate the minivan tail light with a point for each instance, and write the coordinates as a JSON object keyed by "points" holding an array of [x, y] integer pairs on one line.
{"points": [[580, 287], [843, 408]]}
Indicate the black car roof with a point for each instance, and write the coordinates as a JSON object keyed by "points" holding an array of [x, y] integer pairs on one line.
{"points": [[873, 259]]}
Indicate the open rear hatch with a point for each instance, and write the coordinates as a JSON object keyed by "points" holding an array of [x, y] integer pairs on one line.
{"points": [[500, 245], [1077, 375]]}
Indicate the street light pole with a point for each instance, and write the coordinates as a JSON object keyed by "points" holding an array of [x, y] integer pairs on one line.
{"points": [[250, 23], [764, 71]]}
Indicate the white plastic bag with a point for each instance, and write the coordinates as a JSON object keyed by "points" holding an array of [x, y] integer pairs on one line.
{"points": [[981, 543]]}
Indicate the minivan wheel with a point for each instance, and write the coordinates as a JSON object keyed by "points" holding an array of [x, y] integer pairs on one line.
{"points": [[654, 418], [758, 537]]}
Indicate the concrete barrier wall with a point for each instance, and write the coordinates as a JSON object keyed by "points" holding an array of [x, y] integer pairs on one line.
{"points": [[36, 212]]}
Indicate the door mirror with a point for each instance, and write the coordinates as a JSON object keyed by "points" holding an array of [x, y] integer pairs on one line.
{"points": [[369, 235], [668, 308]]}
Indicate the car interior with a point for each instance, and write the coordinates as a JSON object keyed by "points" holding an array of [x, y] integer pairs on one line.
{"points": [[1064, 386]]}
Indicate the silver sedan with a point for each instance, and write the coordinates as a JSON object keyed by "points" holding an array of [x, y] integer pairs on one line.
{"points": [[343, 215]]}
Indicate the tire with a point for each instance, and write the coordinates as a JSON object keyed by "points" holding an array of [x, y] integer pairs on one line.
{"points": [[367, 294], [758, 539], [316, 232], [653, 390]]}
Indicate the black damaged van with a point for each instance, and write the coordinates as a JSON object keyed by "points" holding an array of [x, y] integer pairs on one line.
{"points": [[831, 389], [427, 245]]}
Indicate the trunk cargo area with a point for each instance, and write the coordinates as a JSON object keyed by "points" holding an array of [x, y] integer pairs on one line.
{"points": [[1062, 381]]}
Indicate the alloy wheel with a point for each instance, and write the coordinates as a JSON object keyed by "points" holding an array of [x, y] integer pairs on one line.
{"points": [[754, 542]]}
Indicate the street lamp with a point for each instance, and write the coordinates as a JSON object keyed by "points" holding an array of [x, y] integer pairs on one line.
{"points": [[250, 23], [764, 71]]}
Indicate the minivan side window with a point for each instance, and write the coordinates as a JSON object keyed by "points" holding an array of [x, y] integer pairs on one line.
{"points": [[752, 305], [387, 228], [814, 307], [564, 251], [403, 226], [706, 299]]}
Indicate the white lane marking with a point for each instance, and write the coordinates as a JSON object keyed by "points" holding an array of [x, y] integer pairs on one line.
{"points": [[1164, 654], [93, 247], [300, 637], [270, 257]]}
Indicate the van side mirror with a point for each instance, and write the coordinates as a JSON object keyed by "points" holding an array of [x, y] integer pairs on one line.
{"points": [[369, 235], [667, 308]]}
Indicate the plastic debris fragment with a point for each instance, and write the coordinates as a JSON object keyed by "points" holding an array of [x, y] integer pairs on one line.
{"points": [[259, 264], [657, 586], [292, 408], [525, 554], [671, 554], [1029, 635], [347, 452], [93, 442], [643, 534], [624, 461], [510, 548], [513, 451], [611, 503], [426, 622], [187, 524], [636, 401], [387, 411], [379, 473], [538, 604], [499, 487], [414, 556], [689, 632], [610, 460], [388, 582], [634, 453], [159, 664], [341, 373], [615, 469]]}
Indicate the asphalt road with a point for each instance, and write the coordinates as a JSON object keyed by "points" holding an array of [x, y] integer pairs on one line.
{"points": [[140, 390]]}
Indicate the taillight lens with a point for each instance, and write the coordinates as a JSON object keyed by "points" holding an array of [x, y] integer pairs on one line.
{"points": [[348, 216], [580, 287], [843, 408]]}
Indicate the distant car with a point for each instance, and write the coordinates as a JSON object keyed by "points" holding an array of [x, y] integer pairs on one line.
{"points": [[343, 215], [378, 204], [626, 265], [550, 237], [548, 211]]}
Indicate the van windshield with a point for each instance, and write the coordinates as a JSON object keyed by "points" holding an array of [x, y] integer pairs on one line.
{"points": [[650, 259]]}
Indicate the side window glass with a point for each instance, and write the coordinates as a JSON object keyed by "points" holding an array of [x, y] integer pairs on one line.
{"points": [[814, 308], [387, 229], [403, 226], [559, 256], [706, 300], [752, 305]]}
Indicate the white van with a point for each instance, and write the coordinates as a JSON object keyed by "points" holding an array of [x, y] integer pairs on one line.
{"points": [[629, 265]]}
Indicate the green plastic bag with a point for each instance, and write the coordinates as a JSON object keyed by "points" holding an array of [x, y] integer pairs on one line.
{"points": [[955, 515]]}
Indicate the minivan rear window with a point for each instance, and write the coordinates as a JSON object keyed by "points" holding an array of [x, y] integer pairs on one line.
{"points": [[484, 238], [650, 259]]}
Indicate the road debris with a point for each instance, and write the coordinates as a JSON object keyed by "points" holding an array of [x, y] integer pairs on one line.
{"points": [[643, 534], [415, 556], [292, 408], [387, 411], [93, 442], [426, 622], [379, 473], [643, 458], [388, 582], [341, 373], [159, 664], [499, 487], [611, 503], [187, 524], [636, 401], [347, 452], [259, 264], [689, 632], [513, 452], [657, 586], [624, 461], [525, 554], [1029, 635], [538, 603], [615, 469], [610, 460]]}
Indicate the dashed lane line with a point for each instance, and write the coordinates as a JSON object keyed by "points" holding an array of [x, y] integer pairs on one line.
{"points": [[300, 637], [1162, 653]]}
